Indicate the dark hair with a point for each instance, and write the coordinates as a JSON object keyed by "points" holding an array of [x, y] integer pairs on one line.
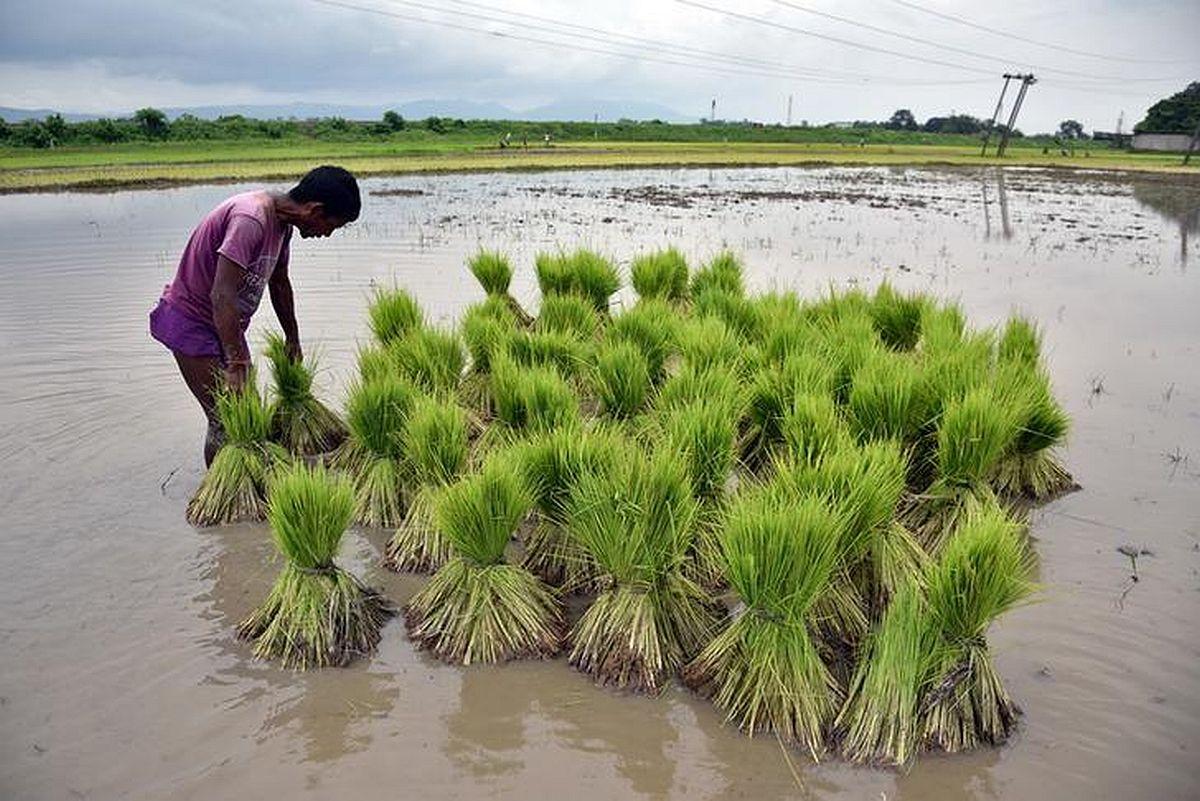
{"points": [[334, 188]]}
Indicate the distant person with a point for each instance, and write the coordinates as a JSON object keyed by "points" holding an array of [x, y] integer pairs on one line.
{"points": [[239, 249]]}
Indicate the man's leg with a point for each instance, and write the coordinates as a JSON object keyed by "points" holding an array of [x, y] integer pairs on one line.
{"points": [[201, 374]]}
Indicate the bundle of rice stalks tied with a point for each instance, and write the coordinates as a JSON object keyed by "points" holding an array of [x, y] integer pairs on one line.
{"points": [[317, 614], [738, 312], [834, 306], [435, 445], [653, 327], [552, 464], [375, 361], [563, 352], [811, 428], [694, 384], [235, 487], [974, 435], [942, 327], [636, 522], [621, 380], [1020, 342], [393, 313], [661, 274], [430, 358], [983, 571], [373, 455], [528, 400], [1031, 469], [772, 395], [723, 272], [887, 398], [299, 421], [897, 317], [707, 342], [568, 315], [584, 273], [765, 670], [492, 270], [477, 607], [879, 722], [847, 343], [486, 328]]}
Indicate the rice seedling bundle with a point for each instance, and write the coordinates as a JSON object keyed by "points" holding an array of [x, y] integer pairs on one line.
{"points": [[235, 487], [299, 422], [887, 398], [373, 454], [765, 669], [847, 343], [716, 384], [653, 327], [621, 380], [707, 342], [430, 358], [772, 395], [583, 273], [661, 274], [393, 313], [552, 464], [435, 442], [478, 607], [897, 317], [568, 315], [563, 352], [739, 313], [636, 522], [723, 272], [530, 399], [810, 428], [1020, 342], [317, 614], [493, 272], [374, 362], [1031, 469], [486, 328]]}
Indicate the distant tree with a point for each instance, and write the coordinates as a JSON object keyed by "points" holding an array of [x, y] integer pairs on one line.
{"points": [[31, 133], [56, 129], [1071, 129], [956, 124], [393, 120], [435, 124], [902, 120], [152, 122], [107, 131], [1179, 113], [4, 129]]}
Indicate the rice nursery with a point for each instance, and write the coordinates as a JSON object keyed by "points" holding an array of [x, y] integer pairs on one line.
{"points": [[809, 510]]}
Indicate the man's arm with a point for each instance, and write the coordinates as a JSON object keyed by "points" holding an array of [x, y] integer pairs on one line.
{"points": [[284, 304], [227, 321]]}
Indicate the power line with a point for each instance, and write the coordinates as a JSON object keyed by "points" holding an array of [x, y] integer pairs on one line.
{"points": [[962, 50], [636, 56], [1027, 40]]}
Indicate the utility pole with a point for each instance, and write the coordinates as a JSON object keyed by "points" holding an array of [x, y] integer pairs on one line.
{"points": [[1192, 147], [987, 136], [712, 116], [789, 116], [1026, 81]]}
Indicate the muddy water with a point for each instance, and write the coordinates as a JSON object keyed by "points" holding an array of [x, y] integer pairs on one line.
{"points": [[120, 676]]}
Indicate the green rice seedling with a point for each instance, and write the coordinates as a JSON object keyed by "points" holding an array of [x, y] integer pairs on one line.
{"points": [[299, 422], [693, 384], [375, 361], [621, 380], [847, 343], [492, 270], [1031, 469], [485, 329], [317, 614], [1020, 342], [235, 487], [568, 315], [373, 454], [897, 317], [810, 428], [942, 327], [887, 398], [478, 608], [430, 358], [552, 464], [435, 445], [773, 392], [879, 722], [835, 307], [595, 278], [737, 312], [661, 274], [765, 669], [983, 571], [723, 272], [707, 342], [554, 274], [975, 433], [653, 326], [563, 352], [393, 313], [530, 399], [636, 521]]}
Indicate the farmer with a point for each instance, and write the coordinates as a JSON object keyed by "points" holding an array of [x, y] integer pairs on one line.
{"points": [[237, 251]]}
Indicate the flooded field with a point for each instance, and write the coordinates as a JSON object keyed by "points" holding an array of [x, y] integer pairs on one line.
{"points": [[120, 676]]}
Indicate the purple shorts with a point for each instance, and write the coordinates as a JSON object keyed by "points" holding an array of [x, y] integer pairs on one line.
{"points": [[186, 335]]}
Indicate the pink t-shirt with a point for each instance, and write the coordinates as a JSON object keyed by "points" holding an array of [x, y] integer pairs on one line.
{"points": [[243, 229]]}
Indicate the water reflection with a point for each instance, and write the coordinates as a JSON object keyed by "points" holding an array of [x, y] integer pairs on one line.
{"points": [[1177, 202], [486, 734], [1002, 194]]}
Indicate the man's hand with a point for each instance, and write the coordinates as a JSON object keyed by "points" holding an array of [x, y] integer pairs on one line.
{"points": [[293, 350], [235, 375]]}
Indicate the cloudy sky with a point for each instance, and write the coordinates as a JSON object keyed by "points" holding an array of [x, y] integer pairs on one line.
{"points": [[116, 55]]}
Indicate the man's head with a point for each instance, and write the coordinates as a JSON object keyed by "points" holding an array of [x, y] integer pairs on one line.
{"points": [[328, 199]]}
